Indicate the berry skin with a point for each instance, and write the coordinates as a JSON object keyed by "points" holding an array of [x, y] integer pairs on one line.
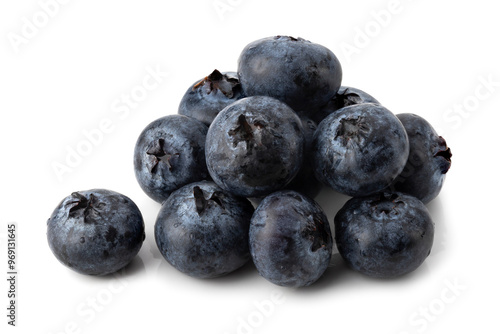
{"points": [[290, 239], [170, 153], [302, 74], [359, 150], [207, 97], [203, 231], [428, 162], [345, 97], [95, 232], [255, 146], [384, 235]]}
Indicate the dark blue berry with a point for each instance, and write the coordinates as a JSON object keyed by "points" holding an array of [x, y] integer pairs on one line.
{"points": [[95, 232], [203, 231], [302, 74], [360, 149], [170, 153], [428, 162], [255, 146], [290, 239], [384, 235], [207, 97]]}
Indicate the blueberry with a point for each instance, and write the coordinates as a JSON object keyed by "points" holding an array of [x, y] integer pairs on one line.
{"points": [[203, 231], [170, 153], [360, 149], [345, 97], [302, 74], [384, 235], [290, 239], [428, 162], [95, 232], [206, 97], [255, 146]]}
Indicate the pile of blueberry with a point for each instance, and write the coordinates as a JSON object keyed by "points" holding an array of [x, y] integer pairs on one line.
{"points": [[273, 134]]}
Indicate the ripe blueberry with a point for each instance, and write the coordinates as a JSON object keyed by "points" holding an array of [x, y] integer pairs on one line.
{"points": [[302, 74], [203, 231], [384, 235], [170, 153], [290, 239], [428, 162], [255, 146], [359, 150], [207, 97], [95, 232]]}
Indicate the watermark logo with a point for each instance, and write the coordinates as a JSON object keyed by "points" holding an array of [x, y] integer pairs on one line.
{"points": [[222, 7], [455, 115], [31, 26], [429, 313], [89, 309], [365, 34], [120, 108], [263, 310]]}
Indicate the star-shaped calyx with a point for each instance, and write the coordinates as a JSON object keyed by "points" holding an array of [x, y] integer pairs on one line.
{"points": [[86, 207], [159, 154], [352, 130], [217, 81], [244, 131], [201, 202], [387, 204], [443, 155]]}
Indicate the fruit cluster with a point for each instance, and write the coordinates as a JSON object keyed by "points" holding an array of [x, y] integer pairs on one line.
{"points": [[274, 132]]}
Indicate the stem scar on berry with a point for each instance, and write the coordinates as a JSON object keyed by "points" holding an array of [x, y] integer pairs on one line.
{"points": [[202, 203], [89, 206], [159, 154], [217, 81], [245, 130]]}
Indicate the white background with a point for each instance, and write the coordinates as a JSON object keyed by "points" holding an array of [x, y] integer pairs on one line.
{"points": [[71, 73]]}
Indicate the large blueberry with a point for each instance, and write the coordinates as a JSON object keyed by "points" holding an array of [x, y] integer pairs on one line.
{"points": [[345, 97], [302, 74], [170, 153], [255, 146], [384, 235], [95, 232], [360, 149], [428, 162], [203, 231], [206, 97], [290, 239]]}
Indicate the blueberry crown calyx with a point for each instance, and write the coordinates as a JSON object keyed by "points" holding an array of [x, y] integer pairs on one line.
{"points": [[202, 203], [217, 81]]}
